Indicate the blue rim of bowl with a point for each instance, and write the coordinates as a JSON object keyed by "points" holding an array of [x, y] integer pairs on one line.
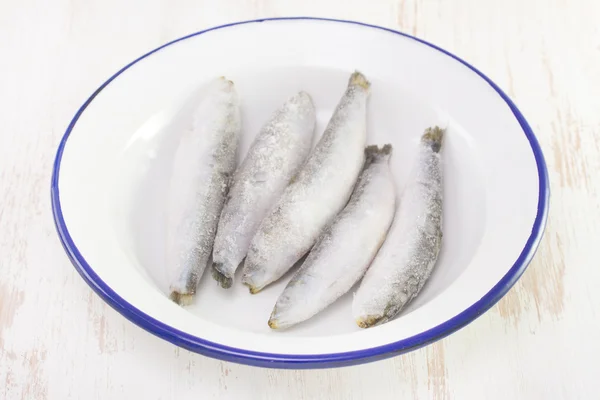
{"points": [[227, 353]]}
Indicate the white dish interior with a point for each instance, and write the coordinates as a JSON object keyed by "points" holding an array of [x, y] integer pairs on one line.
{"points": [[115, 168]]}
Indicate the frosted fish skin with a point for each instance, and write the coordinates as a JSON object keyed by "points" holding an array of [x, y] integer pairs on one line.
{"points": [[204, 163], [316, 194], [407, 258], [279, 150], [346, 248]]}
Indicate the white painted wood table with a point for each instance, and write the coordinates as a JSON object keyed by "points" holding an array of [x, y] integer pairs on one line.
{"points": [[58, 340]]}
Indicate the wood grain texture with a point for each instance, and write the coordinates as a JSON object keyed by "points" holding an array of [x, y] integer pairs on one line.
{"points": [[58, 340]]}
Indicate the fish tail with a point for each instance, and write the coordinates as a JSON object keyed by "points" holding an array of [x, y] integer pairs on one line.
{"points": [[183, 299], [433, 137], [217, 273], [358, 79], [375, 153]]}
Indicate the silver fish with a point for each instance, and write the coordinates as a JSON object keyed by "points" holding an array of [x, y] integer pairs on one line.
{"points": [[275, 156], [406, 259], [317, 193], [346, 248], [204, 162]]}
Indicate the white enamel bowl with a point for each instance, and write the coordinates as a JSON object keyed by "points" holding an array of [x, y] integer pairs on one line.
{"points": [[109, 183]]}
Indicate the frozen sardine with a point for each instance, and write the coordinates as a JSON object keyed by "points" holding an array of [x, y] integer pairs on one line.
{"points": [[279, 150], [406, 259], [204, 163], [345, 249], [315, 195]]}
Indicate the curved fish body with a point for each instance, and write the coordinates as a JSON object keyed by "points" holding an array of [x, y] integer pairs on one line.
{"points": [[204, 163], [346, 248], [406, 259], [279, 150], [316, 194]]}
